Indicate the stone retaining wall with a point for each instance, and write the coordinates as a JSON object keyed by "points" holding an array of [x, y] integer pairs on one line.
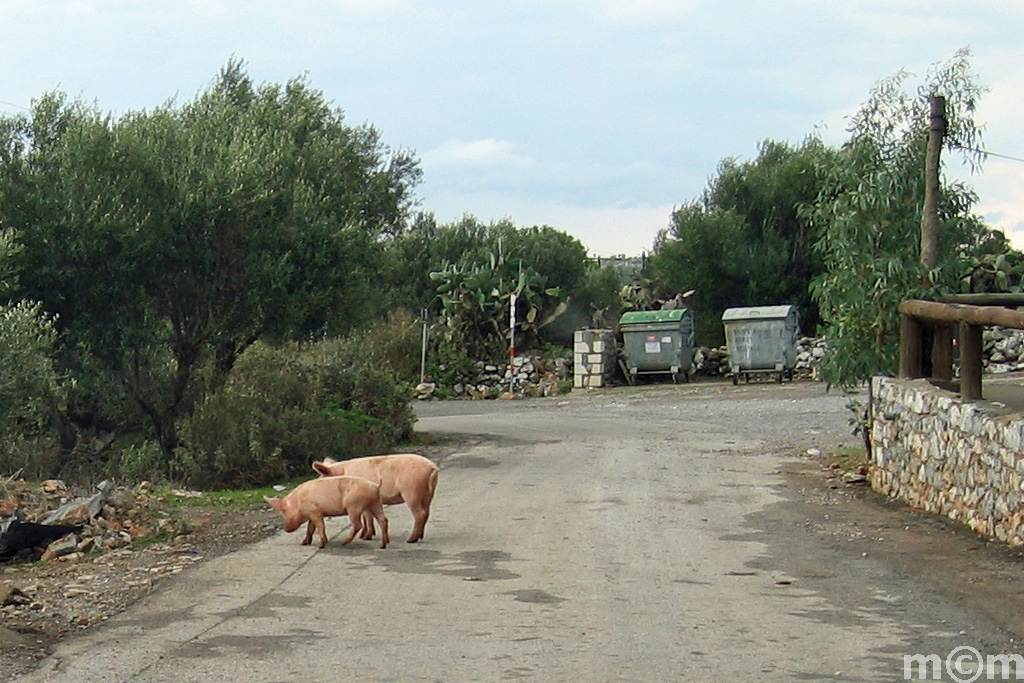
{"points": [[944, 455]]}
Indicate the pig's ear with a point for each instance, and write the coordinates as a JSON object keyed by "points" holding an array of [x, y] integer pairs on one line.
{"points": [[275, 503], [322, 468], [329, 461]]}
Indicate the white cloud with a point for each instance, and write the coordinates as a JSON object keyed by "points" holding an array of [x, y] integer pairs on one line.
{"points": [[487, 152], [604, 230], [1000, 188]]}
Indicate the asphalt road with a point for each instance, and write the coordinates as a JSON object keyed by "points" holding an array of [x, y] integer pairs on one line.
{"points": [[644, 534]]}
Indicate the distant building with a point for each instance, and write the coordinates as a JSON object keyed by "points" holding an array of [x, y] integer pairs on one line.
{"points": [[627, 266]]}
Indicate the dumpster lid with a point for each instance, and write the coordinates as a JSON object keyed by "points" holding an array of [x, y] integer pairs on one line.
{"points": [[670, 316], [758, 313]]}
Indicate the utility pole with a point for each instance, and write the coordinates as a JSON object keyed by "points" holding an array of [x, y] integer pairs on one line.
{"points": [[930, 212], [940, 357]]}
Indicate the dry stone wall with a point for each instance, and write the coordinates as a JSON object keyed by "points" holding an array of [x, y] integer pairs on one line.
{"points": [[947, 456]]}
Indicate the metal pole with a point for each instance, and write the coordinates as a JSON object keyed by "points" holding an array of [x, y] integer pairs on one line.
{"points": [[512, 342], [423, 354]]}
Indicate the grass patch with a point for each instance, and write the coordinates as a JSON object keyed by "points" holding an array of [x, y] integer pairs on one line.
{"points": [[420, 440], [847, 458], [228, 499]]}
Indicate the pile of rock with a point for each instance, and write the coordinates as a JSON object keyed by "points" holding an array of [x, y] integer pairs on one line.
{"points": [[1003, 350], [714, 362], [527, 375], [51, 522], [535, 375]]}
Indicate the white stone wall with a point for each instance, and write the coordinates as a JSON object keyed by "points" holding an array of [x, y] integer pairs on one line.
{"points": [[947, 456], [594, 358]]}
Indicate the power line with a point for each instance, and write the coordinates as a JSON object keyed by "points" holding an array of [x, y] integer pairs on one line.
{"points": [[990, 154], [12, 104]]}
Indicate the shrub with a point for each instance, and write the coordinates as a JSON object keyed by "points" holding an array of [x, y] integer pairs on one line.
{"points": [[31, 390], [284, 407]]}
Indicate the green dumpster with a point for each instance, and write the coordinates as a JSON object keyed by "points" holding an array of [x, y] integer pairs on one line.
{"points": [[658, 342]]}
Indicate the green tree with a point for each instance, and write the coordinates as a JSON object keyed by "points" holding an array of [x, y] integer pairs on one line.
{"points": [[480, 265], [172, 239], [745, 242], [426, 247], [869, 216]]}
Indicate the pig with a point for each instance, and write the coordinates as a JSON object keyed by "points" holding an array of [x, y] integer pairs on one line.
{"points": [[404, 477], [333, 496]]}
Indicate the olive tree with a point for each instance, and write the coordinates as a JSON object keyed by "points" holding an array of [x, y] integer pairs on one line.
{"points": [[170, 240]]}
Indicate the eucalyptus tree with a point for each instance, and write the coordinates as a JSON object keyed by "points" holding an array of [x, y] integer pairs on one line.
{"points": [[170, 240], [869, 216]]}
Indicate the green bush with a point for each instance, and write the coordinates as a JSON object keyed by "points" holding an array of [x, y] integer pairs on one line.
{"points": [[32, 391], [284, 407]]}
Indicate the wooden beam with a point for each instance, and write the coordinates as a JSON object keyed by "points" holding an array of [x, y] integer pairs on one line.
{"points": [[986, 299], [963, 313]]}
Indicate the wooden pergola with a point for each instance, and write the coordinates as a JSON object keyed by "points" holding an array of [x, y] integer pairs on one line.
{"points": [[927, 333]]}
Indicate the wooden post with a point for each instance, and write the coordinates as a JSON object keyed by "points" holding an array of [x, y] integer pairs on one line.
{"points": [[911, 343], [930, 211], [942, 352], [971, 347]]}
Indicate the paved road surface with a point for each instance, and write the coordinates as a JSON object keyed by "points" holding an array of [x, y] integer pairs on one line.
{"points": [[645, 534]]}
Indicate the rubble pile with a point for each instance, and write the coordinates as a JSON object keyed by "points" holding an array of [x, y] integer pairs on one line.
{"points": [[52, 522], [84, 553]]}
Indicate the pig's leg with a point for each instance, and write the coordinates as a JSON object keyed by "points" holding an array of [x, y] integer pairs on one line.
{"points": [[368, 529], [357, 526], [321, 528], [378, 512], [309, 533], [420, 514]]}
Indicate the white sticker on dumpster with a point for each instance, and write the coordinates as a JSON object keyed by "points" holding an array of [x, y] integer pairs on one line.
{"points": [[652, 345]]}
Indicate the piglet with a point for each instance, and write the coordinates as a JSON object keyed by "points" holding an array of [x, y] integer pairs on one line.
{"points": [[315, 499], [404, 478]]}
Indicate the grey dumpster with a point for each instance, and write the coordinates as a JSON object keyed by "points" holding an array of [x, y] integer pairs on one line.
{"points": [[658, 342], [761, 339]]}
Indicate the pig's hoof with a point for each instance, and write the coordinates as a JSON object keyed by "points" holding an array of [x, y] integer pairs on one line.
{"points": [[305, 543]]}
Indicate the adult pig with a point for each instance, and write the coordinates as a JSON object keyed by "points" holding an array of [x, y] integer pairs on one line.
{"points": [[313, 500], [404, 477]]}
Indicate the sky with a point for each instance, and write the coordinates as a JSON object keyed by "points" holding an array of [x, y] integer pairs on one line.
{"points": [[595, 117]]}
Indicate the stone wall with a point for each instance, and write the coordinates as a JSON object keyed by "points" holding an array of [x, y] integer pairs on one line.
{"points": [[944, 455]]}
